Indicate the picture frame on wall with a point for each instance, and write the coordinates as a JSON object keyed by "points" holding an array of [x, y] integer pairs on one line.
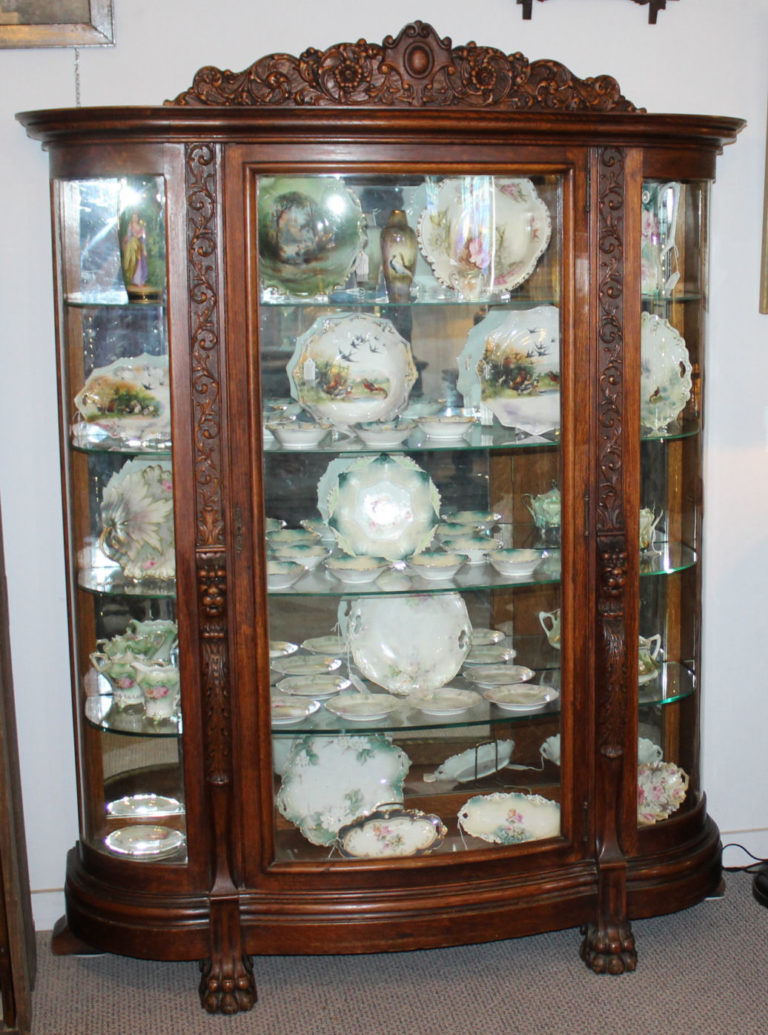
{"points": [[56, 23]]}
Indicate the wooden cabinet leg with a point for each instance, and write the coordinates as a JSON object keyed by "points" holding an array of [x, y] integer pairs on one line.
{"points": [[609, 949], [227, 985], [65, 943]]}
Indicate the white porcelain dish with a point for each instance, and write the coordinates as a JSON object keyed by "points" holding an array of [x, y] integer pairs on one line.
{"points": [[498, 675], [476, 547], [306, 664], [329, 782], [384, 434], [408, 642], [510, 365], [474, 763], [309, 555], [144, 841], [283, 574], [294, 434], [391, 832], [281, 648], [521, 697], [352, 368], [665, 381], [515, 563], [383, 506], [485, 637], [506, 819], [289, 712], [436, 564], [476, 519], [319, 686], [355, 570], [330, 644], [291, 537], [493, 654], [482, 234], [449, 427], [445, 701], [362, 707]]}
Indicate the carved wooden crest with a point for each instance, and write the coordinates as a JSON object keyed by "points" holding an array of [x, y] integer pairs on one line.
{"points": [[415, 69]]}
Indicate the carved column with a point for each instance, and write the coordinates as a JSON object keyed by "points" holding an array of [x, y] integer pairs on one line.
{"points": [[227, 984], [608, 944]]}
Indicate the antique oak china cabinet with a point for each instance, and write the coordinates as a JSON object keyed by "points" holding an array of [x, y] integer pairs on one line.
{"points": [[381, 411]]}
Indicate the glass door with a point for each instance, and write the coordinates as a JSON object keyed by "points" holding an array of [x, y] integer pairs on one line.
{"points": [[116, 417], [410, 337], [672, 340]]}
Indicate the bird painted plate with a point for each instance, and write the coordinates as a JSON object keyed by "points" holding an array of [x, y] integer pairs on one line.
{"points": [[124, 403], [665, 380], [352, 368], [510, 365]]}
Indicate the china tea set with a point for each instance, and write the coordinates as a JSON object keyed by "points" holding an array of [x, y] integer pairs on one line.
{"points": [[141, 668]]}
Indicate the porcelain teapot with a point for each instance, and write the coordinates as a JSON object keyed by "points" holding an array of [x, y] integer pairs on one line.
{"points": [[544, 508]]}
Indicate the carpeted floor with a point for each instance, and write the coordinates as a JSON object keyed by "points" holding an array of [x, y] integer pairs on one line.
{"points": [[700, 972]]}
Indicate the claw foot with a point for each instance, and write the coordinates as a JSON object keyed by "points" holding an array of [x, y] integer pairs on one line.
{"points": [[227, 986], [609, 950]]}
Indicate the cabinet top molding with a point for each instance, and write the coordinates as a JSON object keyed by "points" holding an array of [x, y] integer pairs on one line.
{"points": [[415, 69]]}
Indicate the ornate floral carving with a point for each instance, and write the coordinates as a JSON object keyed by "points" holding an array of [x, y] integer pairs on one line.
{"points": [[212, 595], [610, 518], [415, 69], [204, 324]]}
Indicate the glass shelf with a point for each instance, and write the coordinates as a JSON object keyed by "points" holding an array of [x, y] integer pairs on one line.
{"points": [[675, 682], [109, 300], [92, 439], [472, 577], [480, 437], [667, 558], [112, 582], [102, 713], [354, 298]]}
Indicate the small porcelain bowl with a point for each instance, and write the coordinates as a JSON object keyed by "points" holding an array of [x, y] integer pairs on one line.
{"points": [[294, 434], [319, 528], [476, 547], [282, 574], [386, 434], [446, 427], [514, 563], [436, 564], [309, 555], [482, 519], [357, 569], [291, 537]]}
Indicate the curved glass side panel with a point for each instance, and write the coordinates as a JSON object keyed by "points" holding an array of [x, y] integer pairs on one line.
{"points": [[674, 253], [116, 416], [409, 355]]}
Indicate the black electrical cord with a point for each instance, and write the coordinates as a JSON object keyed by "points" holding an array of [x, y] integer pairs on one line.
{"points": [[759, 867]]}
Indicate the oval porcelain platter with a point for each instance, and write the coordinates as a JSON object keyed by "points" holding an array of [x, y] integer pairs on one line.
{"points": [[506, 819], [391, 832], [483, 235], [474, 763], [665, 382], [328, 782], [126, 403], [510, 364]]}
